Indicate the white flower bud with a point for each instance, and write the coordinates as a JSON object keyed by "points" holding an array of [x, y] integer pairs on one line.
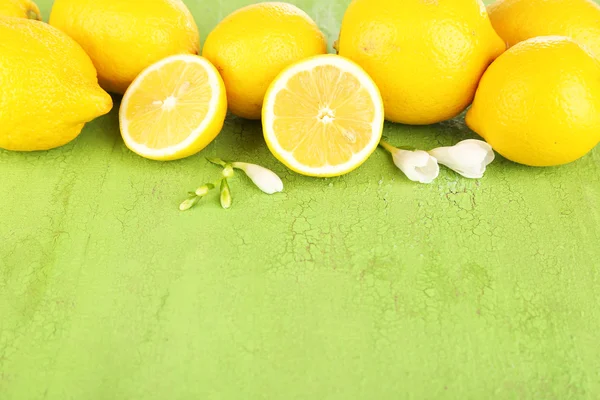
{"points": [[469, 158], [265, 179]]}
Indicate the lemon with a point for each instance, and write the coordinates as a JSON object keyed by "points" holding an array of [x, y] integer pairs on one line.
{"points": [[426, 56], [254, 44], [49, 87], [20, 9], [123, 37], [323, 116], [174, 108], [539, 103], [518, 20]]}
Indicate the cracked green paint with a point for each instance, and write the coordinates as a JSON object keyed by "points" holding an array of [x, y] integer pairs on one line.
{"points": [[360, 287]]}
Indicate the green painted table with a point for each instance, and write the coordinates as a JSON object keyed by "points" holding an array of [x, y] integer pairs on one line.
{"points": [[361, 287]]}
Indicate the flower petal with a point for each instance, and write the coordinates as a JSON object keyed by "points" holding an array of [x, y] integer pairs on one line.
{"points": [[417, 165], [265, 179], [469, 158]]}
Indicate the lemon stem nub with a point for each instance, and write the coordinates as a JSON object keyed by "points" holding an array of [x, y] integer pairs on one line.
{"points": [[32, 14]]}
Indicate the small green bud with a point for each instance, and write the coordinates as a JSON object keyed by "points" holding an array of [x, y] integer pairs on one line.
{"points": [[189, 203], [228, 171], [226, 198], [203, 190]]}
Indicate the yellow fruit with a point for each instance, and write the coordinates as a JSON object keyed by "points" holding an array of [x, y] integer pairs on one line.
{"points": [[426, 56], [174, 108], [20, 9], [254, 44], [323, 116], [49, 87], [539, 103], [518, 20], [123, 37]]}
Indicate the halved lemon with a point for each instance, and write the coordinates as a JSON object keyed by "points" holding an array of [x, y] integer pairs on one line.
{"points": [[174, 108], [323, 116]]}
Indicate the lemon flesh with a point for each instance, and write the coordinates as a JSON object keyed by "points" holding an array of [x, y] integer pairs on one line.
{"points": [[323, 116], [174, 109]]}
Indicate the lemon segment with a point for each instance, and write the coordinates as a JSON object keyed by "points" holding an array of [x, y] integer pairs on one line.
{"points": [[323, 116], [174, 109]]}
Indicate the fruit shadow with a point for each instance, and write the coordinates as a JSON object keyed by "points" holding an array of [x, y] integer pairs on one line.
{"points": [[239, 137], [427, 137], [101, 132]]}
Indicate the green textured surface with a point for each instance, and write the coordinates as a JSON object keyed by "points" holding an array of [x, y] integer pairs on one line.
{"points": [[361, 287]]}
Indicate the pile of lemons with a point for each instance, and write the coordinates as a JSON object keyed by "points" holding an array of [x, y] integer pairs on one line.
{"points": [[529, 69]]}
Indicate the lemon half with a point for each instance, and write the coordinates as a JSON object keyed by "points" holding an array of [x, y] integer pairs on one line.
{"points": [[174, 108], [323, 116]]}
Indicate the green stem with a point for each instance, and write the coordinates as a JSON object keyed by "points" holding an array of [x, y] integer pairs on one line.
{"points": [[217, 161], [387, 146]]}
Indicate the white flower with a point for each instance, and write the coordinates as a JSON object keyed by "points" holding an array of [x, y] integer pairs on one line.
{"points": [[265, 179], [468, 158], [417, 165]]}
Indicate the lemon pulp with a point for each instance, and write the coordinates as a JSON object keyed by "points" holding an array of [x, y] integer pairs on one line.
{"points": [[323, 116], [174, 109]]}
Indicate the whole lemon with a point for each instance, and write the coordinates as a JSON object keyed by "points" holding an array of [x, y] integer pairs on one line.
{"points": [[539, 103], [49, 87], [124, 37], [20, 9], [254, 44], [426, 56], [518, 20]]}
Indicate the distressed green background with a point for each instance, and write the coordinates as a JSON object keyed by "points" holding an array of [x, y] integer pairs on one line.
{"points": [[361, 287]]}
